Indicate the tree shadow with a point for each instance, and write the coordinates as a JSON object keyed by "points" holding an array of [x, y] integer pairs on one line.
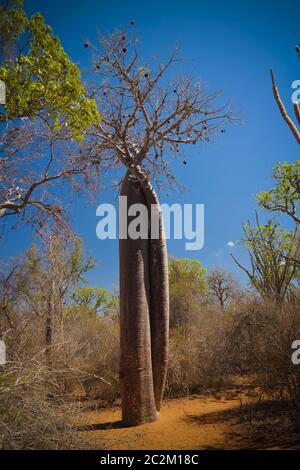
{"points": [[101, 426], [261, 410], [213, 417], [261, 425]]}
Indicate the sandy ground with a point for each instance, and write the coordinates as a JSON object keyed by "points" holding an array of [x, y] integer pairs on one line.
{"points": [[195, 422]]}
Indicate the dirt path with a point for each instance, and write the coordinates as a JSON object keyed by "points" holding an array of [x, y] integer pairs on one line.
{"points": [[195, 422]]}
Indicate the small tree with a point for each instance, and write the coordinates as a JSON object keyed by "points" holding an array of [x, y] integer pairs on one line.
{"points": [[94, 299], [285, 196], [222, 287], [271, 250], [45, 279], [187, 289], [146, 116]]}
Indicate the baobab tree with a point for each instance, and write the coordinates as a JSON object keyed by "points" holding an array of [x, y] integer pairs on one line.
{"points": [[146, 117]]}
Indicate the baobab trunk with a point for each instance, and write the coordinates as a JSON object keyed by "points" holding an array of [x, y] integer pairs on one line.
{"points": [[144, 315], [159, 302], [137, 393]]}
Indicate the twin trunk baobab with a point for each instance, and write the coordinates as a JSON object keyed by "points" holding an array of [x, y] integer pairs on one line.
{"points": [[146, 117], [144, 299]]}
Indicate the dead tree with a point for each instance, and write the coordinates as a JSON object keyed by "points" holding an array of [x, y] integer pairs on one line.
{"points": [[146, 116]]}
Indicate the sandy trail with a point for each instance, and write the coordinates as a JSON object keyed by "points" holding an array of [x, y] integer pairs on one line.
{"points": [[194, 422]]}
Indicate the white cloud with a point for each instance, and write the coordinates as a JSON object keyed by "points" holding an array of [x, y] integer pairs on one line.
{"points": [[231, 244], [218, 253]]}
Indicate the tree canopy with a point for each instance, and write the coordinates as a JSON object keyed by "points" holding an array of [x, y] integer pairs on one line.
{"points": [[39, 75], [285, 196], [46, 116]]}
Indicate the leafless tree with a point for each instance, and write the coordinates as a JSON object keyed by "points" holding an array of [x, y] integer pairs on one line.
{"points": [[222, 286]]}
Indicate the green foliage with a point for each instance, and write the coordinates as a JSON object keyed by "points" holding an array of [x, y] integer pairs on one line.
{"points": [[12, 23], [284, 197], [62, 261], [186, 276], [269, 235], [187, 287], [95, 298], [272, 253], [42, 77], [76, 263]]}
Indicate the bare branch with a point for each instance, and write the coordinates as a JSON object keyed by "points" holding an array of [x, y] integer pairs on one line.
{"points": [[283, 111], [147, 116]]}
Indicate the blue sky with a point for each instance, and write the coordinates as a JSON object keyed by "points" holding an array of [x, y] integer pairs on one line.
{"points": [[229, 45]]}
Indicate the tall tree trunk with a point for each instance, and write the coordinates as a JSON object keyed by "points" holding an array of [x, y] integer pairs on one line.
{"points": [[159, 302], [49, 323], [138, 403], [144, 307]]}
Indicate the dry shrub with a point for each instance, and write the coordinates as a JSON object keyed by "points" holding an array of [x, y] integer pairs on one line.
{"points": [[183, 374], [33, 413], [251, 339], [208, 345], [93, 348], [257, 343], [38, 406], [194, 359]]}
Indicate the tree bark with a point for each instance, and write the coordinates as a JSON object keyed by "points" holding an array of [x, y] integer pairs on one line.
{"points": [[144, 308], [159, 303], [49, 323]]}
